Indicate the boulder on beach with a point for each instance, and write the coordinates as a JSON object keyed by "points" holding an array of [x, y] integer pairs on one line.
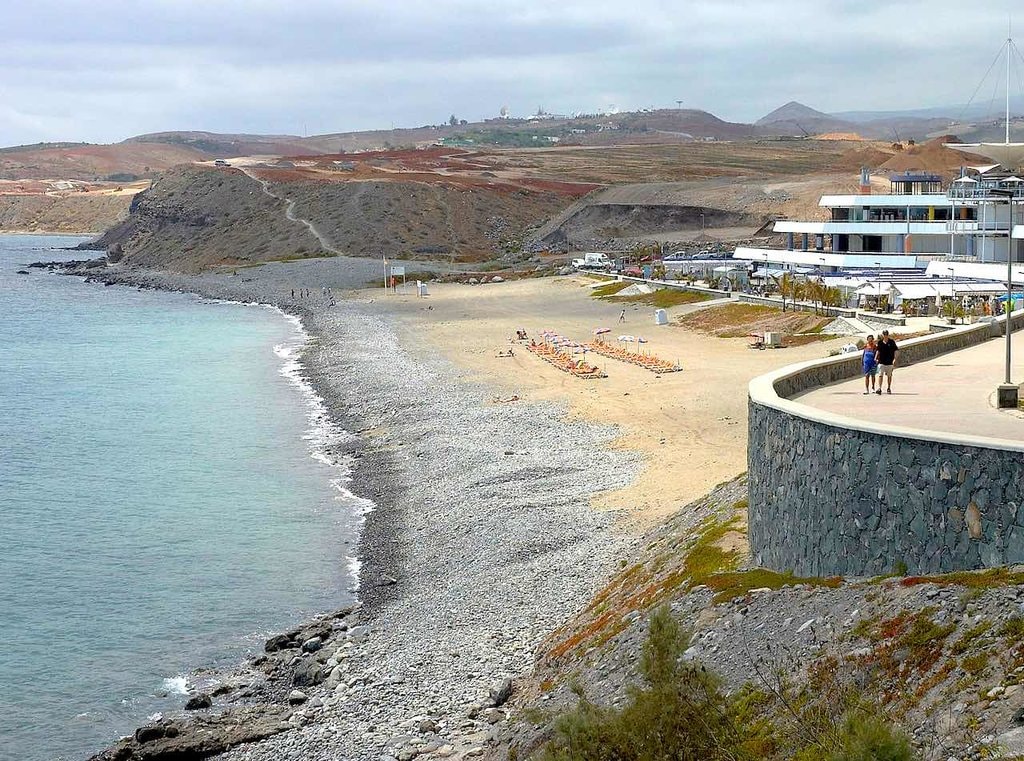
{"points": [[199, 701]]}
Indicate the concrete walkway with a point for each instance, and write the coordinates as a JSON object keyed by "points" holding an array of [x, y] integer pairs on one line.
{"points": [[953, 393]]}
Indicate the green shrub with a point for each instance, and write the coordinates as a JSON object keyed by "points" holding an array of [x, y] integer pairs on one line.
{"points": [[870, 738], [680, 713]]}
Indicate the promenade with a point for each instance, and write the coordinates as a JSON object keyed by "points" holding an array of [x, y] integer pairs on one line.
{"points": [[953, 393]]}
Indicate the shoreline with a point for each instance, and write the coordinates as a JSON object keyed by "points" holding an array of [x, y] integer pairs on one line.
{"points": [[420, 555], [52, 234]]}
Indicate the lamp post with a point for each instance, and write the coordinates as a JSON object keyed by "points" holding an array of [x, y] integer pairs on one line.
{"points": [[1007, 393], [952, 292], [878, 286]]}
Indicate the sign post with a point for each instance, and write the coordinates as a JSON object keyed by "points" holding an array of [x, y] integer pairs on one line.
{"points": [[396, 270]]}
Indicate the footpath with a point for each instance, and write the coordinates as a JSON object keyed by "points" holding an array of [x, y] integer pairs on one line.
{"points": [[952, 393]]}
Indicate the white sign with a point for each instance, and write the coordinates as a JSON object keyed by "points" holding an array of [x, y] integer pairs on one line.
{"points": [[397, 270]]}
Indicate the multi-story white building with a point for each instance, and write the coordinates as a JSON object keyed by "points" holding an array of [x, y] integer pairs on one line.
{"points": [[917, 221]]}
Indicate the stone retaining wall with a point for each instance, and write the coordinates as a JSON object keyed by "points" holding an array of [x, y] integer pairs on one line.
{"points": [[830, 495], [825, 500]]}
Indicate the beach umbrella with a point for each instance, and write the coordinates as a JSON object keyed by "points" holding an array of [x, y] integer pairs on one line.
{"points": [[639, 341], [601, 331], [629, 339]]}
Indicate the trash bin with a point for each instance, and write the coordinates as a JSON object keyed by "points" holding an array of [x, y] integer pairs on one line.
{"points": [[660, 318], [421, 288]]}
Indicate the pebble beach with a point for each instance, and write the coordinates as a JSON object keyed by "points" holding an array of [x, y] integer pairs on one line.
{"points": [[479, 537]]}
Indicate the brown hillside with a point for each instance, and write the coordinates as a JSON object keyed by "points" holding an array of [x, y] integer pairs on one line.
{"points": [[95, 162], [199, 216], [932, 156], [80, 213], [872, 156], [195, 217]]}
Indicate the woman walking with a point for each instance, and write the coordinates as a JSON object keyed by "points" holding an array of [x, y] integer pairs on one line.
{"points": [[869, 363]]}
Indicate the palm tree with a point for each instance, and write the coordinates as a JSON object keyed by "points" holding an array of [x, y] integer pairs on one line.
{"points": [[786, 287]]}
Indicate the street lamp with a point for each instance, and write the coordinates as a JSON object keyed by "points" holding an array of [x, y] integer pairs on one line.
{"points": [[878, 286], [952, 292], [1007, 392]]}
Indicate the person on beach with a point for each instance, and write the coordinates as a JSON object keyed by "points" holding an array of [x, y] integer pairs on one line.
{"points": [[622, 316], [869, 363], [886, 354]]}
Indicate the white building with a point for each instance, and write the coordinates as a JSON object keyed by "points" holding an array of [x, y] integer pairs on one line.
{"points": [[916, 222]]}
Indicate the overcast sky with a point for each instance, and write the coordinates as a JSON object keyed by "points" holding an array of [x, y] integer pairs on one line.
{"points": [[100, 70]]}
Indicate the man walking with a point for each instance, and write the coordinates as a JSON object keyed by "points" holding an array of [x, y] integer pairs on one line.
{"points": [[887, 353], [622, 316]]}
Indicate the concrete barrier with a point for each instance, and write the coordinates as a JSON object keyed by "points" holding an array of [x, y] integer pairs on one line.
{"points": [[830, 494]]}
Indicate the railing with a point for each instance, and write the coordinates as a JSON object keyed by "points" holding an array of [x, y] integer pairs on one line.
{"points": [[983, 194], [972, 226]]}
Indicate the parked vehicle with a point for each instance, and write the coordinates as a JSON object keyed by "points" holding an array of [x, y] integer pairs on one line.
{"points": [[593, 261]]}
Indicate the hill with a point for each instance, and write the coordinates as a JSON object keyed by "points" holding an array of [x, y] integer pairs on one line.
{"points": [[119, 162], [217, 145], [438, 204], [790, 112], [932, 156]]}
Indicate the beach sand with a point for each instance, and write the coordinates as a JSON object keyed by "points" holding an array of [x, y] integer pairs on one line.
{"points": [[690, 427]]}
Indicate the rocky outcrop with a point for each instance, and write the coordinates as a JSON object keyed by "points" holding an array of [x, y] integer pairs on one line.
{"points": [[257, 702], [195, 217], [186, 739]]}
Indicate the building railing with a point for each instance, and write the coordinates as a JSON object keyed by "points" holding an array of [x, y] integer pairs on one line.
{"points": [[982, 194], [972, 226]]}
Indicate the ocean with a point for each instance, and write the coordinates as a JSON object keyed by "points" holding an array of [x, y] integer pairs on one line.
{"points": [[165, 502]]}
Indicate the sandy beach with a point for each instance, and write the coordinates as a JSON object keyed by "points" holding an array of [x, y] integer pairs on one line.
{"points": [[506, 491], [689, 427]]}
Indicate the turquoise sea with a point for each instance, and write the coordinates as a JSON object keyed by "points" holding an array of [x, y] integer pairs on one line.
{"points": [[164, 503]]}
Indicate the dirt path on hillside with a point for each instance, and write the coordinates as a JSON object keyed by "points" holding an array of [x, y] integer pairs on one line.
{"points": [[289, 212]]}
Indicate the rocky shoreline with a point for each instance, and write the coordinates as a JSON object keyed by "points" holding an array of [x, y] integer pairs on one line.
{"points": [[481, 542]]}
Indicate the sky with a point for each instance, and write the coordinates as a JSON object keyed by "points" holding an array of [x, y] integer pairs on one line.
{"points": [[104, 70]]}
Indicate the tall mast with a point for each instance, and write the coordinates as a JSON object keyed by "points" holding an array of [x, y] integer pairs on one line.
{"points": [[1009, 52]]}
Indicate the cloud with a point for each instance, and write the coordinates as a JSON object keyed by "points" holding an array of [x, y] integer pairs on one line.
{"points": [[103, 70]]}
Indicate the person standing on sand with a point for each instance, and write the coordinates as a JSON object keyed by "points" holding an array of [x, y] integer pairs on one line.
{"points": [[887, 353], [869, 363], [622, 316]]}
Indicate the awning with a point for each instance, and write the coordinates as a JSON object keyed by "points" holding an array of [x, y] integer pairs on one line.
{"points": [[875, 289], [915, 291], [965, 180]]}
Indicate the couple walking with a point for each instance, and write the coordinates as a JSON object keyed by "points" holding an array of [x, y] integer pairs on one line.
{"points": [[877, 357]]}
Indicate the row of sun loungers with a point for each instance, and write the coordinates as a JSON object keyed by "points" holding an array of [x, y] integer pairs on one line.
{"points": [[550, 352], [647, 361]]}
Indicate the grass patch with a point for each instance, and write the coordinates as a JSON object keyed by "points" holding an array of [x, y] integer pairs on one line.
{"points": [[975, 664], [608, 289], [970, 637], [707, 556], [738, 320], [1013, 630], [663, 298], [995, 577], [809, 338], [729, 586]]}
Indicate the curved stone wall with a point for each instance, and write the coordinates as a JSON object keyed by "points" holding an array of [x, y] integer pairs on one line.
{"points": [[831, 495]]}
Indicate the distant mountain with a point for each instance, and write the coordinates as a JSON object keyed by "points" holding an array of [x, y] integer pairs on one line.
{"points": [[221, 145], [792, 112], [988, 109]]}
